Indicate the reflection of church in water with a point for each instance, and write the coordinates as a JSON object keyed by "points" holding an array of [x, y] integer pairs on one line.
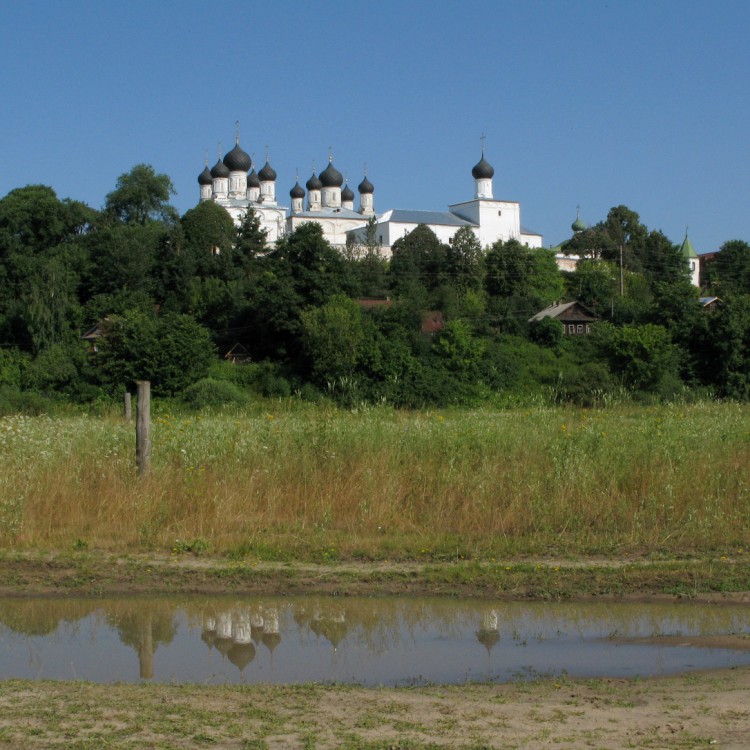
{"points": [[235, 633]]}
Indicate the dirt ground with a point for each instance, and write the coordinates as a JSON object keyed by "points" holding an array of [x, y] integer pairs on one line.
{"points": [[700, 710], [696, 711]]}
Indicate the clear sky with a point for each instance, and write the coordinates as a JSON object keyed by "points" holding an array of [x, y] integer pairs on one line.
{"points": [[642, 103]]}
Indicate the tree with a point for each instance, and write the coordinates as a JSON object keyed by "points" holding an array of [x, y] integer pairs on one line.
{"points": [[418, 260], [464, 262], [515, 270], [34, 220], [141, 196], [250, 241], [642, 355], [316, 269], [595, 283], [624, 236], [171, 350], [726, 351], [208, 230], [661, 260], [123, 258], [369, 269], [331, 336], [729, 273]]}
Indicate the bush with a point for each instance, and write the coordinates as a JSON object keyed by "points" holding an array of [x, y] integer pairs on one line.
{"points": [[209, 392], [14, 401]]}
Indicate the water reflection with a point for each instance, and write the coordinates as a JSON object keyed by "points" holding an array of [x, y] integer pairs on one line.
{"points": [[369, 641]]}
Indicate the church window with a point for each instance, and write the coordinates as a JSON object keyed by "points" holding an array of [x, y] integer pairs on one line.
{"points": [[499, 213]]}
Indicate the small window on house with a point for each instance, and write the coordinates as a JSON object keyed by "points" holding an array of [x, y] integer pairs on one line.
{"points": [[588, 328], [499, 213], [580, 329], [381, 239]]}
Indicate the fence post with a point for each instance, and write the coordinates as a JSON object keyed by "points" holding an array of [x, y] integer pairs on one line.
{"points": [[143, 428], [128, 409]]}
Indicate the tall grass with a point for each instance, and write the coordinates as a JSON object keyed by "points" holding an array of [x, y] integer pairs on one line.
{"points": [[325, 484]]}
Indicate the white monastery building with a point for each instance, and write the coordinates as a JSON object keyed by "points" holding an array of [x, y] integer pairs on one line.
{"points": [[234, 184]]}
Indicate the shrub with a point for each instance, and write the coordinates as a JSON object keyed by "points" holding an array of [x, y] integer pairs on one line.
{"points": [[14, 401], [209, 392]]}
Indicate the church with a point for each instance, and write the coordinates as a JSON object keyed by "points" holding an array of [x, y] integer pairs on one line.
{"points": [[234, 184]]}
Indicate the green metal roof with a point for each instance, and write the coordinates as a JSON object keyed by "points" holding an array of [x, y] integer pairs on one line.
{"points": [[687, 249]]}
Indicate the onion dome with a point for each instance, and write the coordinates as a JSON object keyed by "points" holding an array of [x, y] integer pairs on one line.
{"points": [[313, 183], [252, 180], [268, 173], [204, 178], [219, 169], [578, 225], [482, 170], [366, 187], [347, 194], [331, 177], [237, 160], [297, 191]]}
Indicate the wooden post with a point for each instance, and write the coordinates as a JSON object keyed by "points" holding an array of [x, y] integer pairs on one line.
{"points": [[143, 428], [128, 409]]}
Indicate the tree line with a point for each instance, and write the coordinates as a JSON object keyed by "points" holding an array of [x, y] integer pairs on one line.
{"points": [[168, 296]]}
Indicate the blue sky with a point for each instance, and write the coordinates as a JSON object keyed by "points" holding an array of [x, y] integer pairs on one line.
{"points": [[645, 104]]}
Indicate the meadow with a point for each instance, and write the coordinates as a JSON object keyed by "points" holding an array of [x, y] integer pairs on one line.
{"points": [[289, 481]]}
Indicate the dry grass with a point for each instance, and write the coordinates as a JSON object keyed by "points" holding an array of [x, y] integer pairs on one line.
{"points": [[322, 483]]}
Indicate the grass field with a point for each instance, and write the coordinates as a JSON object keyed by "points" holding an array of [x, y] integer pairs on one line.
{"points": [[313, 483]]}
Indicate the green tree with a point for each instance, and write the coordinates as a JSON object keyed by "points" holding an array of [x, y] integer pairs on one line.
{"points": [[369, 269], [208, 231], [332, 336], [418, 260], [170, 350], [141, 196], [513, 269], [34, 220], [729, 272], [458, 350], [595, 284], [726, 350], [123, 259], [250, 242], [642, 355], [464, 262]]}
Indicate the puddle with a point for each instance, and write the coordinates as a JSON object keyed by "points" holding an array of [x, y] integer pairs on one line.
{"points": [[377, 641]]}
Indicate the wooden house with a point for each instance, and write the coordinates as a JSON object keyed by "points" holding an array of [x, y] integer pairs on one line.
{"points": [[575, 317]]}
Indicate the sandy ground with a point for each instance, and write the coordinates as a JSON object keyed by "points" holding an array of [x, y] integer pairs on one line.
{"points": [[696, 711]]}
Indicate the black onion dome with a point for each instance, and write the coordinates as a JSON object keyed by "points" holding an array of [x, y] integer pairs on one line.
{"points": [[268, 173], [237, 160], [252, 180], [331, 177], [297, 191], [366, 187], [204, 178], [347, 194], [483, 170], [314, 183], [219, 169]]}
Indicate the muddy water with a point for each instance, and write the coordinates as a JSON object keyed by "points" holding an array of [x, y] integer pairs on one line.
{"points": [[383, 641]]}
